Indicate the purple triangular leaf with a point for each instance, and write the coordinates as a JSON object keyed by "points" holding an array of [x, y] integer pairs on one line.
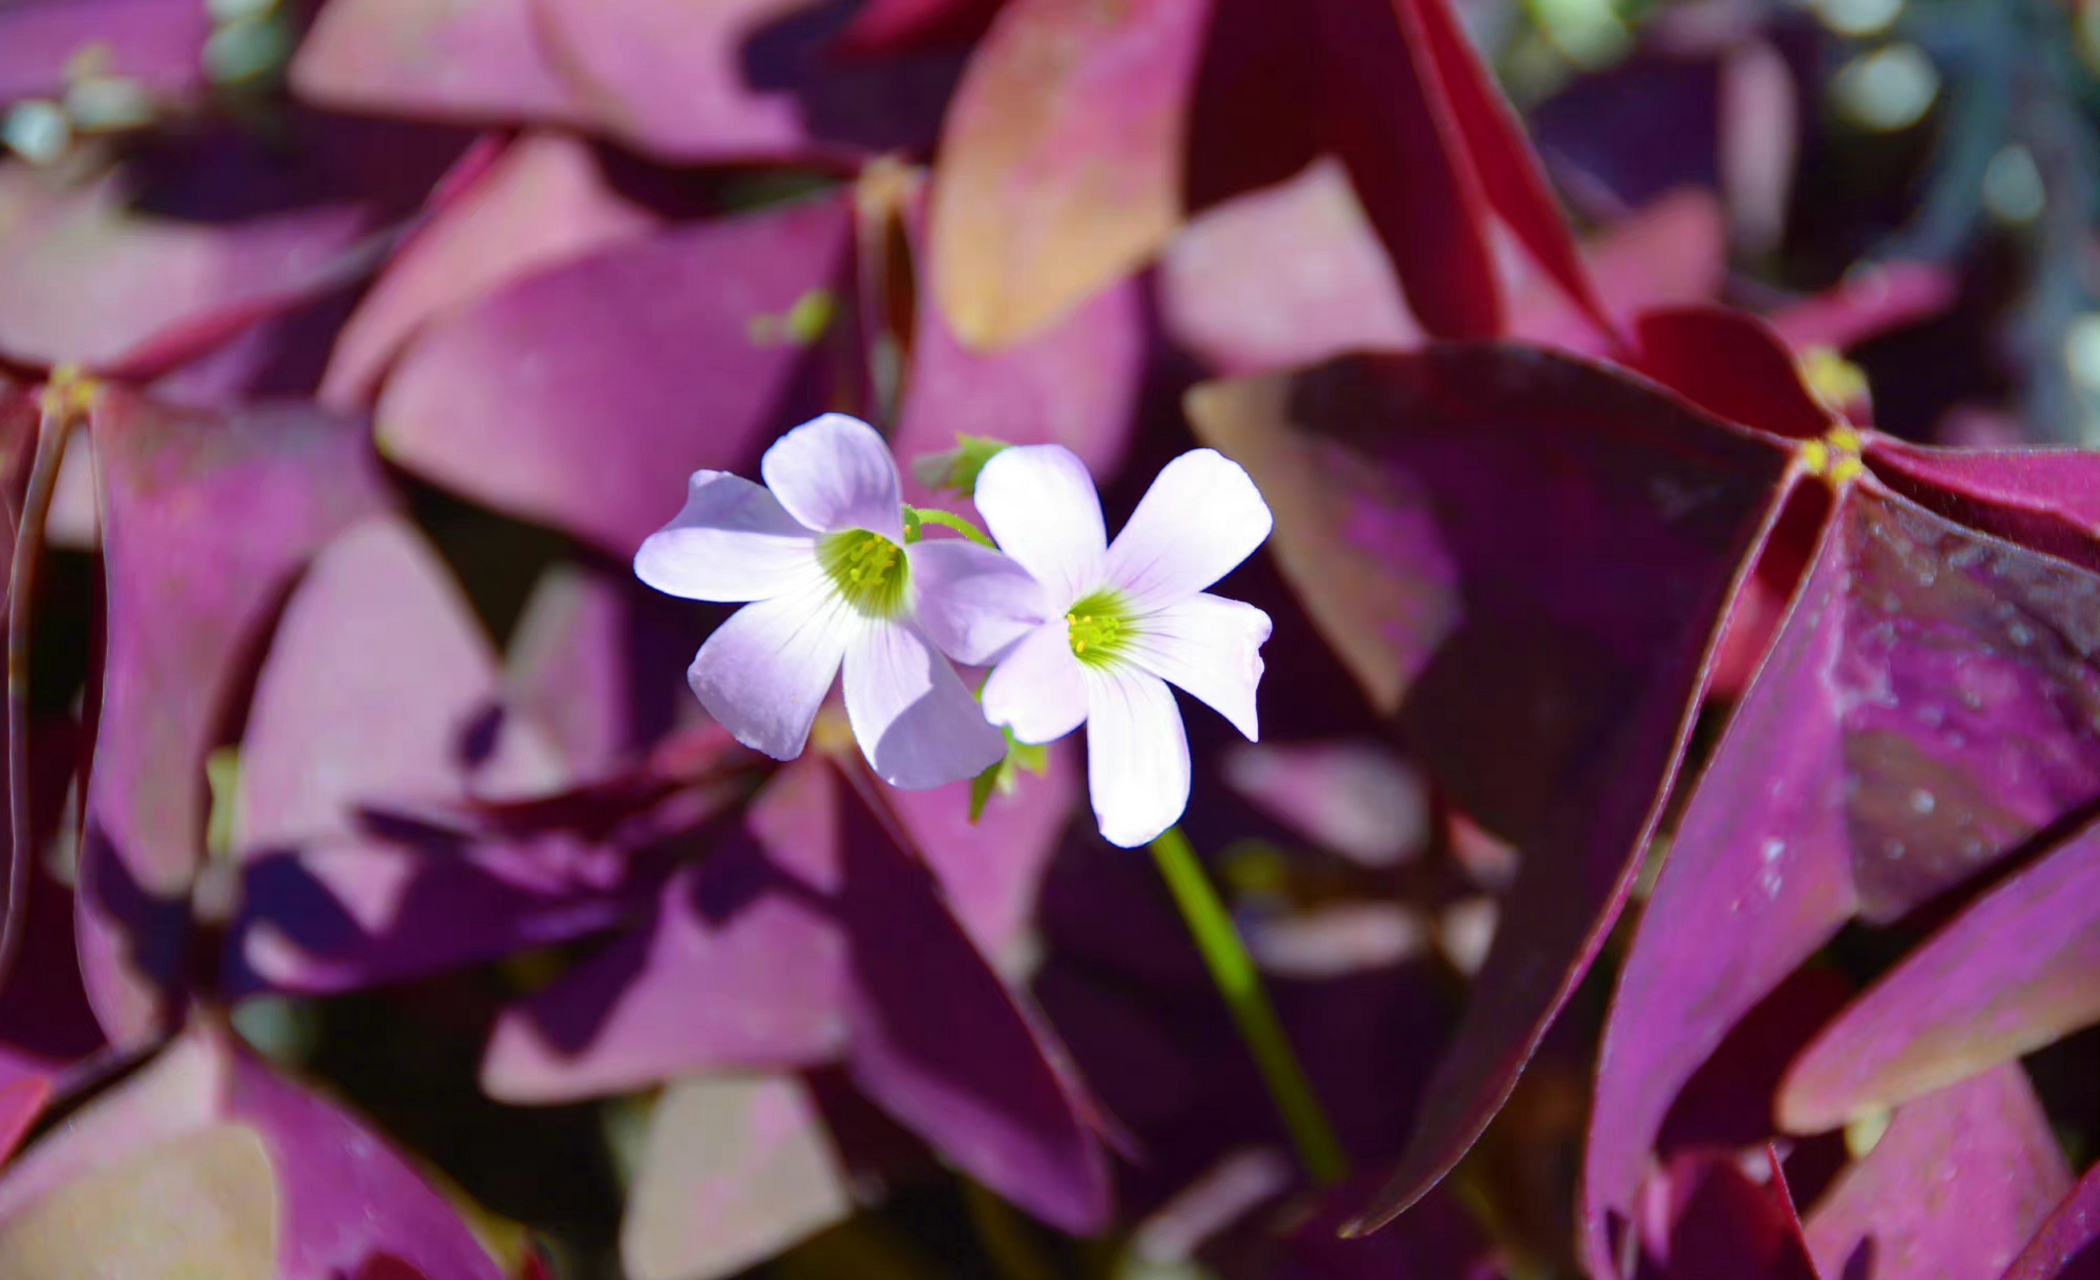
{"points": [[581, 397], [1953, 1189]]}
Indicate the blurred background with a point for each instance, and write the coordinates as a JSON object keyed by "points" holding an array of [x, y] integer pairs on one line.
{"points": [[387, 908]]}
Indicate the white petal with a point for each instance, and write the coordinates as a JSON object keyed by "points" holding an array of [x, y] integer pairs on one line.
{"points": [[915, 720], [1211, 647], [1039, 691], [1200, 518], [974, 602], [732, 542], [1137, 757], [765, 671], [834, 473], [1039, 502]]}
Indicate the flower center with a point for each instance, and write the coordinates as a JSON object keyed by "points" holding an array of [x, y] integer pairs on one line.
{"points": [[1100, 627], [868, 569], [1835, 457]]}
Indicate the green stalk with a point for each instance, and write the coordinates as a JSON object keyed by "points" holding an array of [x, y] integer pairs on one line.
{"points": [[1233, 971], [916, 516]]}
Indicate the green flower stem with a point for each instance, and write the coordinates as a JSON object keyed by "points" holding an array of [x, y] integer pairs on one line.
{"points": [[916, 516], [1233, 971]]}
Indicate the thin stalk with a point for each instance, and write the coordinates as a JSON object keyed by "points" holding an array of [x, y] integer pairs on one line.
{"points": [[52, 430], [1232, 969], [916, 516]]}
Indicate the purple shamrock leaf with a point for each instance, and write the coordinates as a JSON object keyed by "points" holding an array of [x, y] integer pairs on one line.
{"points": [[189, 590], [1952, 1190]]}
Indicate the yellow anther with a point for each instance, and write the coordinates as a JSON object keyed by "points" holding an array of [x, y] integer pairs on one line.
{"points": [[70, 393], [867, 570], [1098, 626], [1836, 381], [1835, 457]]}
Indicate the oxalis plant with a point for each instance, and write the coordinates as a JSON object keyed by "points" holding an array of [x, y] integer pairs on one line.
{"points": [[1639, 818]]}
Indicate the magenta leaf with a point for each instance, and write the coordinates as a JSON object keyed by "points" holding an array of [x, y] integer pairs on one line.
{"points": [[736, 970], [157, 44], [329, 1191], [2009, 975], [815, 941], [483, 61], [741, 80], [372, 687], [541, 201], [737, 1168], [84, 278], [1952, 1191], [190, 584], [581, 397], [989, 869], [1911, 725], [964, 1065], [1060, 168], [21, 1102], [1075, 383]]}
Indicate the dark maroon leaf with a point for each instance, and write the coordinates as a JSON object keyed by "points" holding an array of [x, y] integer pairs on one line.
{"points": [[1952, 1191], [899, 26], [1253, 109], [1728, 1102], [1510, 178], [582, 397], [1552, 712], [1387, 114], [1721, 1224], [205, 519], [1733, 365]]}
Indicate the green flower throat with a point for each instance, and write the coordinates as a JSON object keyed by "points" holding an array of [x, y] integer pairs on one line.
{"points": [[868, 569], [1101, 628]]}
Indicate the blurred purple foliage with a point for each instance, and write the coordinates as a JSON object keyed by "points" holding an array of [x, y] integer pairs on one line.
{"points": [[1672, 850]]}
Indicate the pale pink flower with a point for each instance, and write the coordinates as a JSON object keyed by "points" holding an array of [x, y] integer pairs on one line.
{"points": [[820, 556], [1125, 620]]}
